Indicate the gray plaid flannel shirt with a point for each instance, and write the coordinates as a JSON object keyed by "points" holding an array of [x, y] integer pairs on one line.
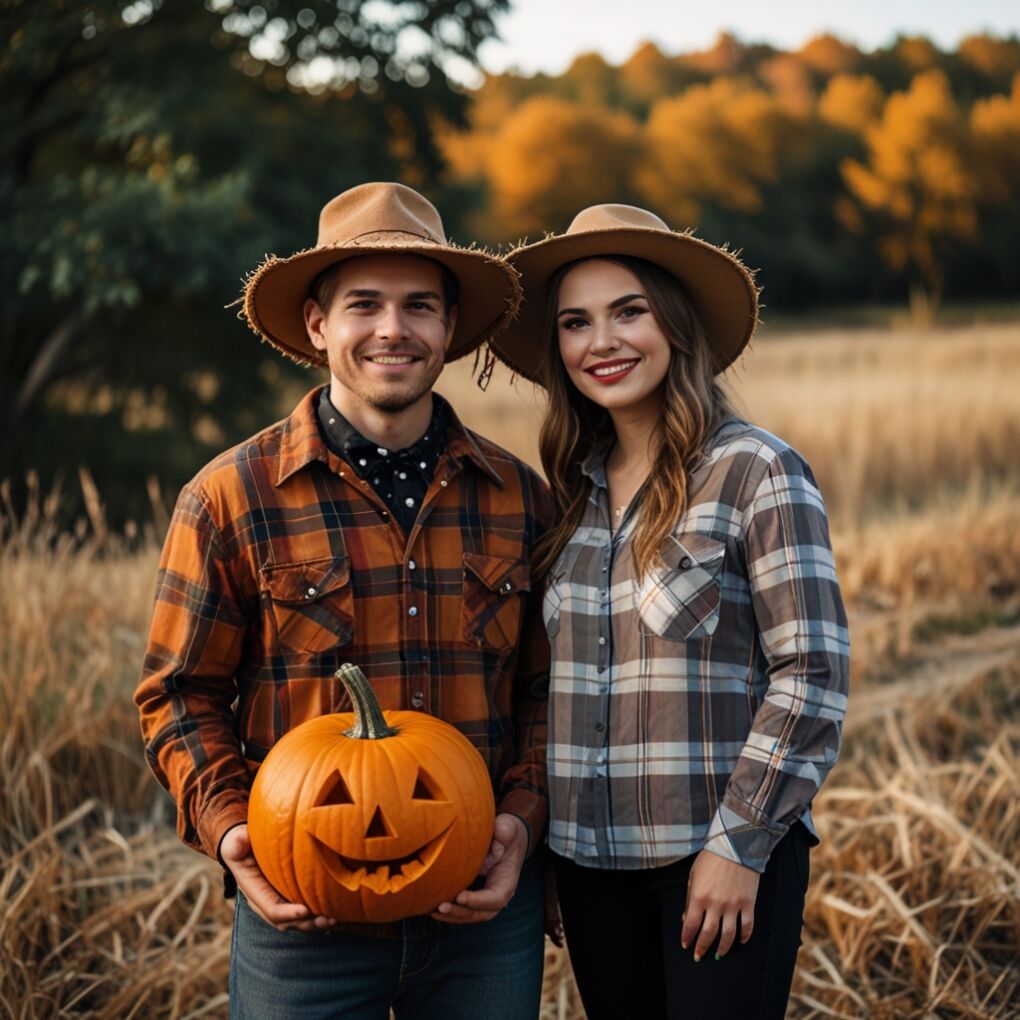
{"points": [[701, 706]]}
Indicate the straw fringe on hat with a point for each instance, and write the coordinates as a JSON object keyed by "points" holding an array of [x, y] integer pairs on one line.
{"points": [[721, 288], [378, 219]]}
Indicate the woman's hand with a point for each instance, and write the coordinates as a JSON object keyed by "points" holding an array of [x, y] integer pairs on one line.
{"points": [[720, 895]]}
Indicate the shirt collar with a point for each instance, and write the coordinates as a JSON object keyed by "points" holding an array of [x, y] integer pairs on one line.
{"points": [[301, 441], [343, 438]]}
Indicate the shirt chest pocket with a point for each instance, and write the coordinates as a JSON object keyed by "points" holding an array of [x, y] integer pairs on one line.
{"points": [[494, 592], [557, 588], [679, 599], [310, 605]]}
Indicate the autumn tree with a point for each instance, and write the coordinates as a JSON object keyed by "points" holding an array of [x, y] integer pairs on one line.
{"points": [[916, 190], [851, 102], [714, 143], [995, 124], [828, 55], [553, 158]]}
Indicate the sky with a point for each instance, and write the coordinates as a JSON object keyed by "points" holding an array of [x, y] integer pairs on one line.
{"points": [[545, 35]]}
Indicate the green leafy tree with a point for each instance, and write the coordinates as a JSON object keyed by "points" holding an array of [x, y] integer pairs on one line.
{"points": [[152, 153]]}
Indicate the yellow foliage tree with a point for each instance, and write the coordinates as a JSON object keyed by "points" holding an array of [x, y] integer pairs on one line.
{"points": [[995, 123], [918, 185], [647, 75], [916, 52], [714, 143], [852, 102], [995, 57], [829, 55], [553, 158], [791, 82]]}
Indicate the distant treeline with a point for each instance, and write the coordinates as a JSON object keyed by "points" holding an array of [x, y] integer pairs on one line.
{"points": [[844, 175]]}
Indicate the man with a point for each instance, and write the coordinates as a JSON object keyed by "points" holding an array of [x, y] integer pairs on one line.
{"points": [[370, 526]]}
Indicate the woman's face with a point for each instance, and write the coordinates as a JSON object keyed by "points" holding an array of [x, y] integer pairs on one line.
{"points": [[612, 347]]}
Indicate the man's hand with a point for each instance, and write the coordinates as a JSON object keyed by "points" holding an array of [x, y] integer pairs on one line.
{"points": [[236, 854], [720, 895], [501, 868]]}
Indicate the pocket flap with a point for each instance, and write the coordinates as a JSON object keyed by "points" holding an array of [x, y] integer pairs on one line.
{"points": [[691, 549], [499, 574], [300, 583]]}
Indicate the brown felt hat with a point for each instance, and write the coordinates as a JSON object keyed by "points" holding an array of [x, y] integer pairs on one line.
{"points": [[379, 219], [721, 288]]}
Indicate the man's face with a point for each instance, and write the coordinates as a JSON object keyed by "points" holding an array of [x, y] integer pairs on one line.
{"points": [[386, 331]]}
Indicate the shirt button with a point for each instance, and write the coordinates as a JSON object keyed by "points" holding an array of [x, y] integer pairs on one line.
{"points": [[443, 484], [382, 452], [403, 474], [506, 587], [599, 727], [312, 591], [408, 501], [600, 760], [421, 464], [362, 461], [410, 564], [602, 640], [601, 669], [685, 563], [417, 699], [413, 611]]}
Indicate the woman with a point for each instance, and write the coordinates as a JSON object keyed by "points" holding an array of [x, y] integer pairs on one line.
{"points": [[699, 641]]}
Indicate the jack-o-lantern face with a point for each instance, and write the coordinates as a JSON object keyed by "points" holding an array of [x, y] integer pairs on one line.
{"points": [[369, 828], [384, 850]]}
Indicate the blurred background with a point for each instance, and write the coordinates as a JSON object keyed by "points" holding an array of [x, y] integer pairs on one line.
{"points": [[866, 162]]}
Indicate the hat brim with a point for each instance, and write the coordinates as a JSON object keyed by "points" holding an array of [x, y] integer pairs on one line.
{"points": [[275, 294], [721, 288]]}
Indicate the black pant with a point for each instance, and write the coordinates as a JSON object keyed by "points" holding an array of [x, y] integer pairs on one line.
{"points": [[623, 933]]}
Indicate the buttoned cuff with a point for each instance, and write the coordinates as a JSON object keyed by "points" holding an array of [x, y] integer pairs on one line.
{"points": [[531, 809], [747, 838], [226, 811]]}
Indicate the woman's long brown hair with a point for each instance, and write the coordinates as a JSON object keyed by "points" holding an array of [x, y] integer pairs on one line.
{"points": [[693, 405]]}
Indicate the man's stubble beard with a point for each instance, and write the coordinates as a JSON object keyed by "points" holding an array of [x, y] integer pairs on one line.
{"points": [[393, 403]]}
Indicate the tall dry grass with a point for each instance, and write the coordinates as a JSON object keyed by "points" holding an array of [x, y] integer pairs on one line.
{"points": [[914, 907]]}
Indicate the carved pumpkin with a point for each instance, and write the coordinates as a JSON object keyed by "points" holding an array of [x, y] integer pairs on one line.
{"points": [[371, 815]]}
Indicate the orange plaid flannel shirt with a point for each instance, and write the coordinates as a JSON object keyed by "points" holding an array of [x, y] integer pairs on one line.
{"points": [[280, 564]]}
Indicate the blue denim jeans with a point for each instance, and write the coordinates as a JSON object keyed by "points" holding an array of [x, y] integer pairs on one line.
{"points": [[433, 971]]}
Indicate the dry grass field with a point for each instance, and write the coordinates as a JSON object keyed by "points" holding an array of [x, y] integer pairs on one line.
{"points": [[914, 906]]}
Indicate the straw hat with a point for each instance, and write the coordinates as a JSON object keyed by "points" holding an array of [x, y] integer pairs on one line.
{"points": [[378, 219], [719, 285]]}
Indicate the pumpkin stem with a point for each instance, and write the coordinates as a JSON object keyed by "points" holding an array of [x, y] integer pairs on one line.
{"points": [[369, 721]]}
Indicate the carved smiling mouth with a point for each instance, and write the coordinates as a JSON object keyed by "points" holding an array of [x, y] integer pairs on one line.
{"points": [[381, 876]]}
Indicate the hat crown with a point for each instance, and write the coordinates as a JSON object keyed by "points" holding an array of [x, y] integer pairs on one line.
{"points": [[614, 216], [381, 207]]}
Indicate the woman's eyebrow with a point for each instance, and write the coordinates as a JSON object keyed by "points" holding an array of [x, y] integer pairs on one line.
{"points": [[615, 304], [623, 300]]}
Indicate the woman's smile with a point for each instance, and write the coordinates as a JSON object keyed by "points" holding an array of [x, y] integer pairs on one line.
{"points": [[608, 372]]}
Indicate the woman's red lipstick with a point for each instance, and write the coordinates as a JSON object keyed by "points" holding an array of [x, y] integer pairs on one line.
{"points": [[604, 376]]}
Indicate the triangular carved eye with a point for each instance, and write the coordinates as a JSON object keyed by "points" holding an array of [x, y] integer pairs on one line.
{"points": [[336, 792], [423, 786], [377, 827]]}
